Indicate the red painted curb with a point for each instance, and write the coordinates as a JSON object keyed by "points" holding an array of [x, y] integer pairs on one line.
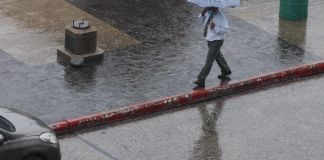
{"points": [[138, 110]]}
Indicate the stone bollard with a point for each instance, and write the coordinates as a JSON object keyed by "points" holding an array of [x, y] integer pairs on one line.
{"points": [[80, 44]]}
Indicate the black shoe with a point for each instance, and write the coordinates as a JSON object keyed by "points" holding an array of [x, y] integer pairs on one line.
{"points": [[224, 75], [199, 82]]}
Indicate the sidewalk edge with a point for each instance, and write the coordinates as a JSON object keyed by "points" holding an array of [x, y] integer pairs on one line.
{"points": [[137, 110]]}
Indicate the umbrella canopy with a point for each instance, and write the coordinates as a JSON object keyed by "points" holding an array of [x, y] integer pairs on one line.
{"points": [[216, 3]]}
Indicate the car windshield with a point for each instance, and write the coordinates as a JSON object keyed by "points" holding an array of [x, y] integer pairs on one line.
{"points": [[6, 125]]}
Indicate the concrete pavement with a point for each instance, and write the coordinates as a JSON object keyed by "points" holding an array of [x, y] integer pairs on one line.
{"points": [[305, 34], [282, 122], [36, 28], [165, 63]]}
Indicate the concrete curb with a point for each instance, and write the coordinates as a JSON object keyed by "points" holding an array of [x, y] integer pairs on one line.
{"points": [[138, 110]]}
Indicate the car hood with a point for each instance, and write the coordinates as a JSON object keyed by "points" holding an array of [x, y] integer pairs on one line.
{"points": [[24, 123]]}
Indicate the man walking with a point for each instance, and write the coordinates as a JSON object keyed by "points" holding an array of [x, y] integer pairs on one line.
{"points": [[216, 25]]}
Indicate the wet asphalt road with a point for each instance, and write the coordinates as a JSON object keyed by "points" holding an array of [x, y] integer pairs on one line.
{"points": [[282, 122], [170, 56]]}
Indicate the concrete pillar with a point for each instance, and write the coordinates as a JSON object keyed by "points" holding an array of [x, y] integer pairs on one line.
{"points": [[80, 44]]}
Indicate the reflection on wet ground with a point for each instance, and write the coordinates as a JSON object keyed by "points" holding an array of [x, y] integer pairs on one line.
{"points": [[293, 31], [168, 60], [190, 134], [207, 146], [291, 41], [278, 122]]}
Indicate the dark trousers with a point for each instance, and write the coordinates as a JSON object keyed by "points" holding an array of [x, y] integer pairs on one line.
{"points": [[214, 53]]}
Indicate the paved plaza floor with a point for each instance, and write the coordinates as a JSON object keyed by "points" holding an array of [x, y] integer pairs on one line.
{"points": [[152, 50]]}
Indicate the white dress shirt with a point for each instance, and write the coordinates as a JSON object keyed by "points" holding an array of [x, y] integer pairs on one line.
{"points": [[221, 26]]}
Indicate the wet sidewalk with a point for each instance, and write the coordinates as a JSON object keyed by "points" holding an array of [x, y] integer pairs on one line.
{"points": [[282, 122], [167, 60]]}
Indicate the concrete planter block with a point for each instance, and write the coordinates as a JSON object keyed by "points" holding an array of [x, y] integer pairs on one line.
{"points": [[80, 41], [63, 55], [80, 46]]}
